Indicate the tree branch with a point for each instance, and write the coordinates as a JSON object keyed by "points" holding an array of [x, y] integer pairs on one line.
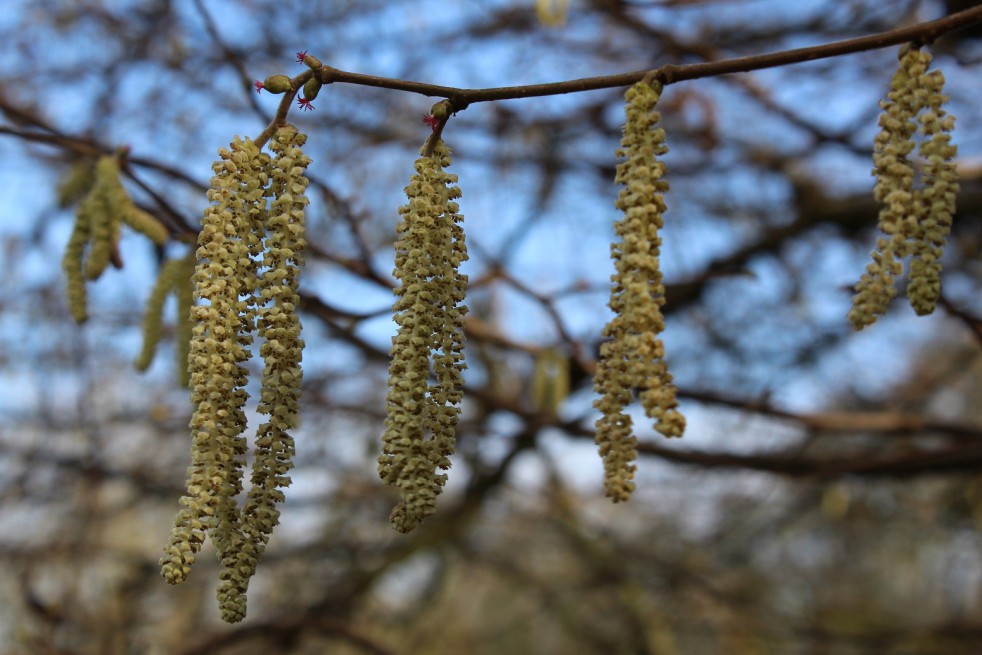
{"points": [[965, 458], [920, 34]]}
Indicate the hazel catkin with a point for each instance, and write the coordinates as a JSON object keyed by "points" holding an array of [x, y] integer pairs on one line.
{"points": [[94, 241], [246, 284], [421, 416], [914, 219], [632, 357]]}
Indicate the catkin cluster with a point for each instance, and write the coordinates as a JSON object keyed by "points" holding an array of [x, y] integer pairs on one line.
{"points": [[632, 358], [914, 219], [248, 264], [94, 242], [422, 405]]}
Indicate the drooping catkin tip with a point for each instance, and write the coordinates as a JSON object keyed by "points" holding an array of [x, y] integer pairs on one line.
{"points": [[231, 605]]}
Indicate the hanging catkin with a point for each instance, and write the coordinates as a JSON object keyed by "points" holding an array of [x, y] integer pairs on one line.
{"points": [[914, 220], [421, 416], [246, 280], [632, 357]]}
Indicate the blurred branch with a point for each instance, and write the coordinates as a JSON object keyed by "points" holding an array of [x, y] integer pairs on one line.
{"points": [[886, 422], [815, 209], [972, 322], [233, 58], [289, 631], [79, 145], [32, 459], [964, 456], [960, 458]]}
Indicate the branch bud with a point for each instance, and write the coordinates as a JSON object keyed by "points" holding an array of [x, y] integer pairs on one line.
{"points": [[311, 88], [277, 84], [441, 110]]}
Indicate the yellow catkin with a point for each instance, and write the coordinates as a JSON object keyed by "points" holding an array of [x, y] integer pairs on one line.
{"points": [[235, 550], [632, 357], [184, 290], [279, 326], [421, 417], [913, 221], [250, 251], [224, 281], [935, 201]]}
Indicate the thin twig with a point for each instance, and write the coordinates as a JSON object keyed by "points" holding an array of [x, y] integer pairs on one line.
{"points": [[922, 33], [279, 119], [233, 57]]}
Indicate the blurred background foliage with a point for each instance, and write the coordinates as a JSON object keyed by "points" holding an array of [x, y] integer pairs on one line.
{"points": [[826, 497]]}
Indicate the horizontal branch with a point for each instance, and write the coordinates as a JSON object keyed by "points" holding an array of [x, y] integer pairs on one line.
{"points": [[922, 33], [289, 629], [954, 459], [844, 422]]}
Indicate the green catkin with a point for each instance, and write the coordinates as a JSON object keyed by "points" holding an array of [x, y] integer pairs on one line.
{"points": [[95, 237], [72, 265], [550, 381], [913, 221], [75, 183], [101, 210], [108, 205], [122, 207], [184, 290], [421, 417], [154, 311], [145, 223], [633, 356], [174, 277]]}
